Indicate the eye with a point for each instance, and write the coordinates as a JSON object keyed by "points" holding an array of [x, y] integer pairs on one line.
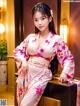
{"points": [[35, 20], [43, 18]]}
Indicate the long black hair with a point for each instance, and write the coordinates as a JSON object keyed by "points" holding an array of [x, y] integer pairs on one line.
{"points": [[45, 10]]}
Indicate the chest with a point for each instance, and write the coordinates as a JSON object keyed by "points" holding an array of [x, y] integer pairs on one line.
{"points": [[45, 47]]}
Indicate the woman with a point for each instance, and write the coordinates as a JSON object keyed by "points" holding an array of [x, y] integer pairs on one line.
{"points": [[34, 54]]}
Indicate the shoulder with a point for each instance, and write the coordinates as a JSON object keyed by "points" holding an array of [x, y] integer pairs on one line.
{"points": [[30, 36], [58, 38], [55, 37]]}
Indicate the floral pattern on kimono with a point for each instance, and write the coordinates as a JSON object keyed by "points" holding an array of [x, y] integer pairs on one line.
{"points": [[51, 46]]}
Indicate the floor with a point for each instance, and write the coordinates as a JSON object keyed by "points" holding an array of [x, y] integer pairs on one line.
{"points": [[6, 98]]}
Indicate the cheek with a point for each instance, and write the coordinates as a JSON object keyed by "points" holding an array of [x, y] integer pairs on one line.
{"points": [[46, 23], [35, 24]]}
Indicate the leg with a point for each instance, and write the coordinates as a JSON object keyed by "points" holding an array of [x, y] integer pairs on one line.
{"points": [[38, 79], [34, 93]]}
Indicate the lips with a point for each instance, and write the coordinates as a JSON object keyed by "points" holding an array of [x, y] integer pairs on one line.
{"points": [[41, 26]]}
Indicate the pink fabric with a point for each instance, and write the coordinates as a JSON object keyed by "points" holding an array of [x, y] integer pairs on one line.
{"points": [[39, 90], [38, 77], [33, 79]]}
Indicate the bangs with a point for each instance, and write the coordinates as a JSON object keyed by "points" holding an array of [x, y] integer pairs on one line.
{"points": [[41, 8]]}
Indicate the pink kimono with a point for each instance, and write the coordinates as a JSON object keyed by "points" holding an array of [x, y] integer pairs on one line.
{"points": [[31, 81]]}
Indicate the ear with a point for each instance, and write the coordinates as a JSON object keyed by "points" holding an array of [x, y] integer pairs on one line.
{"points": [[50, 19]]}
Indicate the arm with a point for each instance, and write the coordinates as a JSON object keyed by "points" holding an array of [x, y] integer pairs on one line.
{"points": [[21, 56], [66, 60]]}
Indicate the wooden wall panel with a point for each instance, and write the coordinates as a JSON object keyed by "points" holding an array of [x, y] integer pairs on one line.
{"points": [[74, 39]]}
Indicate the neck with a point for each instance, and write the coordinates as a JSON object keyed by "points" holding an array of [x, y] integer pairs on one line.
{"points": [[44, 33]]}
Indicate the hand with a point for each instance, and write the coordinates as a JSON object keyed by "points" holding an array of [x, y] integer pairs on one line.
{"points": [[23, 68], [63, 78]]}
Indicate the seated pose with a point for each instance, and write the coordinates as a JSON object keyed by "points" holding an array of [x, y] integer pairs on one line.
{"points": [[34, 54]]}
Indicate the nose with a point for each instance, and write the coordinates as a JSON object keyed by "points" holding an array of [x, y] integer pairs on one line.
{"points": [[39, 22]]}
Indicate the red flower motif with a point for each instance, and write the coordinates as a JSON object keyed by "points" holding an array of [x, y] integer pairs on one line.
{"points": [[41, 50], [20, 90], [39, 90]]}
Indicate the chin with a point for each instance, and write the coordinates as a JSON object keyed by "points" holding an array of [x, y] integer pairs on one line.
{"points": [[41, 30]]}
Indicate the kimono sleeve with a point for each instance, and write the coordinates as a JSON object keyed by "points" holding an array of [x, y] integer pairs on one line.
{"points": [[66, 60], [20, 53]]}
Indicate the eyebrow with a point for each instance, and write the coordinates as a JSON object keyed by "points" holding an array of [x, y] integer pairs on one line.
{"points": [[41, 16]]}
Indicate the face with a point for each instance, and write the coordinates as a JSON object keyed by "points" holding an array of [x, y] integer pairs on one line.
{"points": [[41, 21]]}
